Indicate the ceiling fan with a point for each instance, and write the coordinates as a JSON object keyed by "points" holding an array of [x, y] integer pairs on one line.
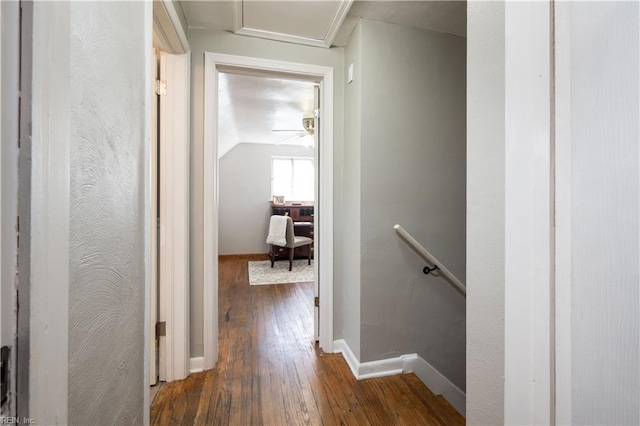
{"points": [[307, 130]]}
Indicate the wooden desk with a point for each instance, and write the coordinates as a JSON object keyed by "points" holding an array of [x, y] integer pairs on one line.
{"points": [[298, 213]]}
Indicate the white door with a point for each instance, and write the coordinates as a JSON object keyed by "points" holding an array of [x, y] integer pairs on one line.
{"points": [[316, 234], [173, 204]]}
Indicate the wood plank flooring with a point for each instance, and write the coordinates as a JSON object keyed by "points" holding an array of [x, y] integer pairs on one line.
{"points": [[270, 372]]}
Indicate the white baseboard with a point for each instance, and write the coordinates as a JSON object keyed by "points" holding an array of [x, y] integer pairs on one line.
{"points": [[435, 381], [367, 370], [196, 365], [341, 347], [412, 363]]}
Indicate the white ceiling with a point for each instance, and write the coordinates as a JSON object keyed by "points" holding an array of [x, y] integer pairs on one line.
{"points": [[251, 107], [313, 19], [310, 22], [448, 17]]}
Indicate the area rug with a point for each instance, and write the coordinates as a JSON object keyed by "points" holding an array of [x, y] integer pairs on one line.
{"points": [[261, 273]]}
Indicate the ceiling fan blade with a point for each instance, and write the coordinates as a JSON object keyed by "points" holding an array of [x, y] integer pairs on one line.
{"points": [[299, 135]]}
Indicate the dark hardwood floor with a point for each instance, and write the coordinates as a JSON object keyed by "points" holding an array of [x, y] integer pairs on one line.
{"points": [[270, 371]]}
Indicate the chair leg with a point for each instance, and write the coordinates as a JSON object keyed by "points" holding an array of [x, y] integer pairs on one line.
{"points": [[290, 258], [271, 255], [309, 253]]}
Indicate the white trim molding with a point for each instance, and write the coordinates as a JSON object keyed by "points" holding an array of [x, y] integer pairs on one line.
{"points": [[50, 214], [332, 31], [174, 214], [169, 35], [196, 365], [210, 212], [529, 242], [324, 206], [411, 363]]}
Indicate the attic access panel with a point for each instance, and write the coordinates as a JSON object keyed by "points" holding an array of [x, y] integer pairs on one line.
{"points": [[313, 23]]}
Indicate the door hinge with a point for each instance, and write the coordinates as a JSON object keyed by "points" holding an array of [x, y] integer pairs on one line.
{"points": [[161, 87], [316, 113], [161, 329], [316, 301]]}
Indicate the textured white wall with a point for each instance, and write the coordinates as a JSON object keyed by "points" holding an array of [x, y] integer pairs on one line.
{"points": [[412, 172], [485, 212], [245, 193], [106, 261], [605, 211], [224, 42]]}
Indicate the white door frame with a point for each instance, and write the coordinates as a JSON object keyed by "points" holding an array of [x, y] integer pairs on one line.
{"points": [[324, 209], [168, 33], [50, 212], [174, 216], [529, 211]]}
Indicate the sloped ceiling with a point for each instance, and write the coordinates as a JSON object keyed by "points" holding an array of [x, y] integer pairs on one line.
{"points": [[448, 17], [252, 107]]}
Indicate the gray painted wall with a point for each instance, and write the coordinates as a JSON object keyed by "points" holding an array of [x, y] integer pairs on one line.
{"points": [[413, 164], [202, 41], [106, 262], [485, 212], [605, 211], [245, 193], [351, 193]]}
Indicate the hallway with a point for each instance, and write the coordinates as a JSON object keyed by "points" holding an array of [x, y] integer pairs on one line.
{"points": [[270, 372]]}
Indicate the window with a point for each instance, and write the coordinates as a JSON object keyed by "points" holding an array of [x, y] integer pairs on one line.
{"points": [[292, 177]]}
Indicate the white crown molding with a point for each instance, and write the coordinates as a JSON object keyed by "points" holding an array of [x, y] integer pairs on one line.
{"points": [[338, 19], [237, 16], [287, 38]]}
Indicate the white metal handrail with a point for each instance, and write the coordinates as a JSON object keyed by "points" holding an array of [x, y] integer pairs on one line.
{"points": [[430, 258]]}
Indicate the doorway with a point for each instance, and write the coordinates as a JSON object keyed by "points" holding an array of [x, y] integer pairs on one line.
{"points": [[266, 166], [323, 152]]}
